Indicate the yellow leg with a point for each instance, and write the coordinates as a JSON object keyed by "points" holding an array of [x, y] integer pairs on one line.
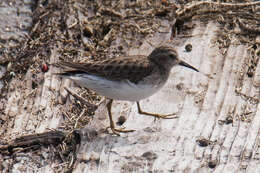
{"points": [[168, 116], [112, 124]]}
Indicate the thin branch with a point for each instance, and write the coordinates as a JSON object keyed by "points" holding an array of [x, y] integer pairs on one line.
{"points": [[81, 99], [213, 5]]}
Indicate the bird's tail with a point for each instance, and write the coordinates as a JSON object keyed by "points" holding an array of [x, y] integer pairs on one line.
{"points": [[69, 69], [68, 65], [64, 66]]}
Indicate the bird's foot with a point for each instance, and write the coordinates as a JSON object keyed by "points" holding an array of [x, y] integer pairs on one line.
{"points": [[117, 131], [168, 116]]}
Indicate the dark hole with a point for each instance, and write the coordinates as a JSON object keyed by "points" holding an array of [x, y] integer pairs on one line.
{"points": [[250, 74], [254, 46], [229, 120], [106, 29], [121, 120], [77, 137], [188, 47], [203, 142], [34, 85], [44, 3], [87, 33], [78, 37], [86, 49], [212, 164]]}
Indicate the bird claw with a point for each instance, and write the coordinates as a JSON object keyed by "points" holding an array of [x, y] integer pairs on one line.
{"points": [[117, 131], [169, 116]]}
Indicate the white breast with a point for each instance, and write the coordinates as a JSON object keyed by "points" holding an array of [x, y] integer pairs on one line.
{"points": [[119, 90]]}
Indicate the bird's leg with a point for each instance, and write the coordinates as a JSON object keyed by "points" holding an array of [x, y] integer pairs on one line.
{"points": [[112, 124], [168, 116]]}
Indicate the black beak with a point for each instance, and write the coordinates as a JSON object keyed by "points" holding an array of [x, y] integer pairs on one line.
{"points": [[182, 63]]}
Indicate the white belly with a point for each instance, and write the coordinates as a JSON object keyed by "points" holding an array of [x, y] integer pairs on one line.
{"points": [[119, 90]]}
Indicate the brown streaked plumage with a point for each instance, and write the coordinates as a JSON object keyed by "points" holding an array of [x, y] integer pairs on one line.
{"points": [[131, 78], [119, 68]]}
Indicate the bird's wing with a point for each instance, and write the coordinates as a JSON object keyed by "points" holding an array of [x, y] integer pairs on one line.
{"points": [[120, 68]]}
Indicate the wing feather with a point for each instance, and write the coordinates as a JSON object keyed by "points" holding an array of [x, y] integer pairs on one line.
{"points": [[120, 68]]}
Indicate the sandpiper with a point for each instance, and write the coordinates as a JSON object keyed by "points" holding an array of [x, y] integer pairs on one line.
{"points": [[130, 78]]}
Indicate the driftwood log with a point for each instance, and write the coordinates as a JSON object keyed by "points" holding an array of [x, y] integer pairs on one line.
{"points": [[51, 125]]}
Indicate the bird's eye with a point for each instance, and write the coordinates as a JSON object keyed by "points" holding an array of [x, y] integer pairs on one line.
{"points": [[172, 56]]}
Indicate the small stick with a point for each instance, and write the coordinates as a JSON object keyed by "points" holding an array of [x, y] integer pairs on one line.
{"points": [[214, 5], [246, 28], [81, 99], [82, 113]]}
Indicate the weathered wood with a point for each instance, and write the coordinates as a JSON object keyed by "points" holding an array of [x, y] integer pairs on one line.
{"points": [[217, 129]]}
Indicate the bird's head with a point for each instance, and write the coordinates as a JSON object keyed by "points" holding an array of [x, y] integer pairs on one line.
{"points": [[167, 57]]}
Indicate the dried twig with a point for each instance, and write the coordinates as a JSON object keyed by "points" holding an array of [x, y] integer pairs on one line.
{"points": [[81, 99], [81, 114], [245, 97], [214, 5], [33, 141], [246, 28]]}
